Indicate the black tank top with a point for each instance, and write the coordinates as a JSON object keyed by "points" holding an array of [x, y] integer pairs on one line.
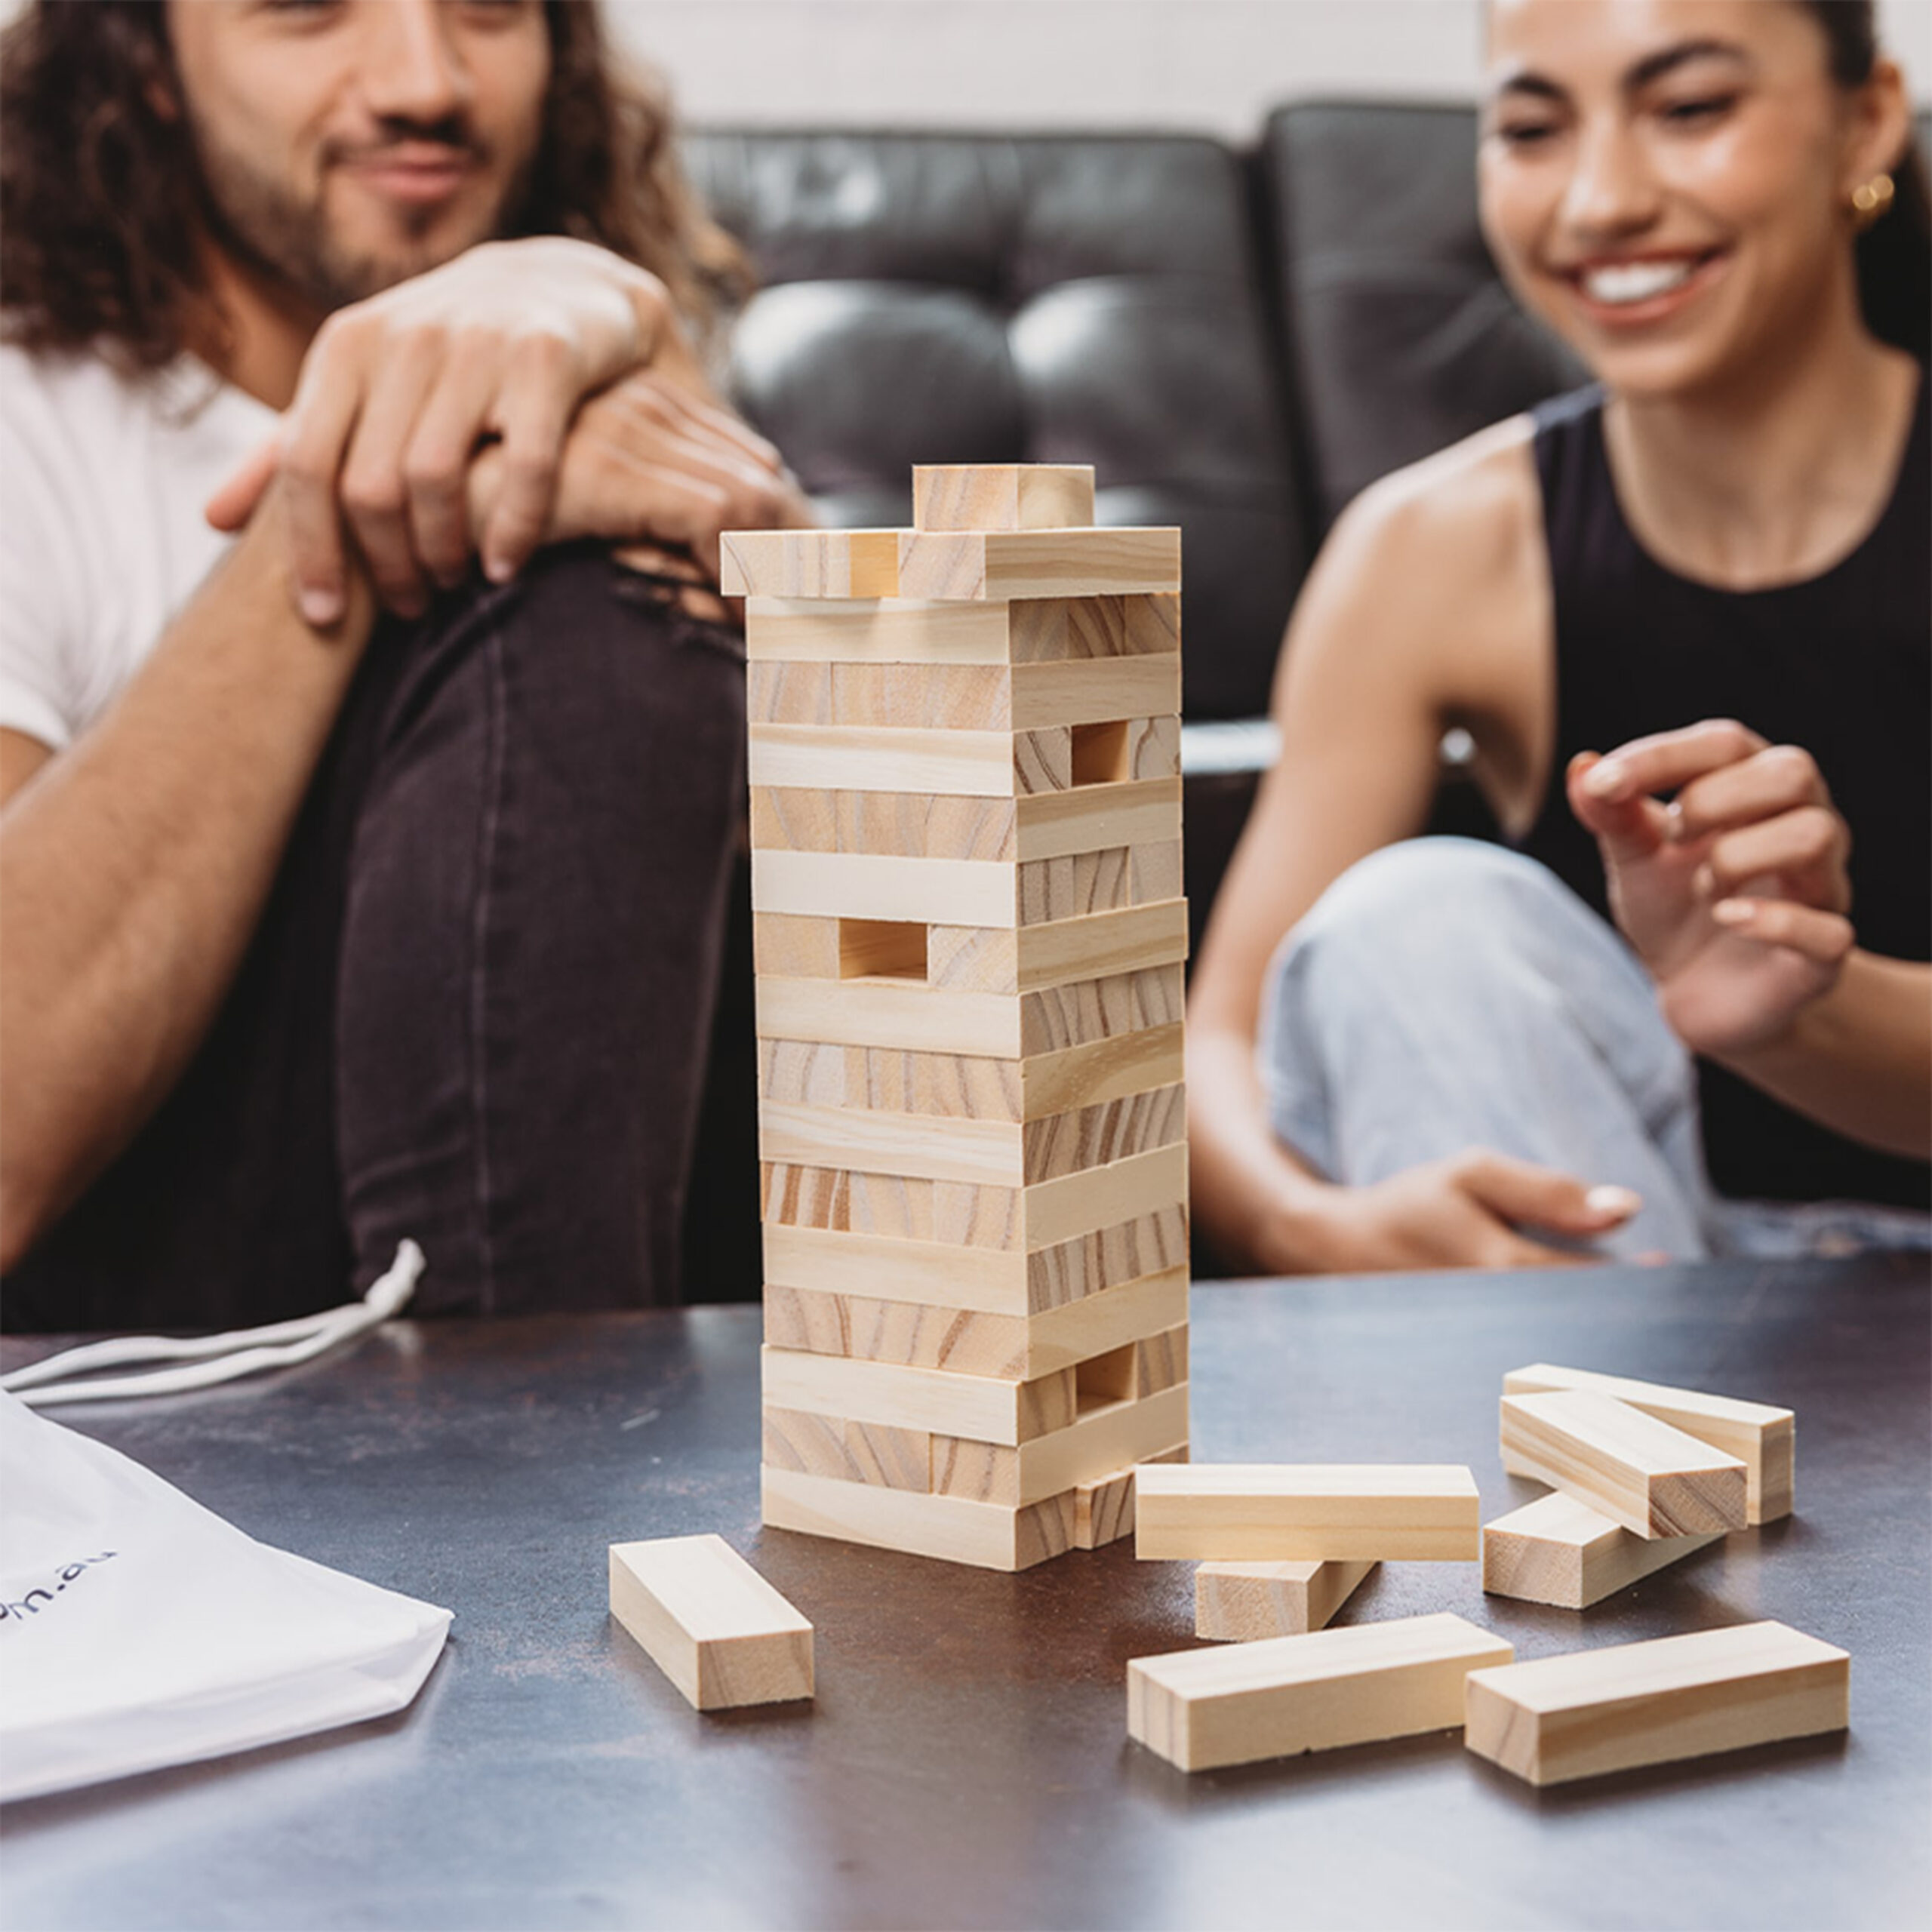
{"points": [[1840, 664]]}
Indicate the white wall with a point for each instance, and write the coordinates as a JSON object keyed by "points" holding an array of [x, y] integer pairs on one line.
{"points": [[1211, 66]]}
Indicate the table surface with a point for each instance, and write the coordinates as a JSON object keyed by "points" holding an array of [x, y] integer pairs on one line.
{"points": [[966, 1762]]}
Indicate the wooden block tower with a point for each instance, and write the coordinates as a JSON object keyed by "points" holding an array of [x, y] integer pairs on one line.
{"points": [[966, 879]]}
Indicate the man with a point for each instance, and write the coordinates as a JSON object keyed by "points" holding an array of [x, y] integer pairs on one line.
{"points": [[362, 877]]}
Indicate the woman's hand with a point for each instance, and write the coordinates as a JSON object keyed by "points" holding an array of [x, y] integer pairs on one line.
{"points": [[498, 350], [1735, 892]]}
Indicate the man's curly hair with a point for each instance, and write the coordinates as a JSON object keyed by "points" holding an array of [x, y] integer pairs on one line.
{"points": [[98, 210]]}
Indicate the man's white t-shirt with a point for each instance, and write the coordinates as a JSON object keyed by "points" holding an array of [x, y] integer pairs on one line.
{"points": [[103, 477]]}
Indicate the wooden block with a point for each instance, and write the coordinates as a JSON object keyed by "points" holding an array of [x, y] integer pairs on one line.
{"points": [[988, 1281], [1242, 1603], [952, 1527], [909, 825], [1093, 690], [1043, 629], [1098, 818], [1762, 1438], [714, 1627], [1402, 1512], [1595, 1711], [918, 1018], [928, 697], [923, 1399], [1153, 749], [852, 1451], [1088, 1449], [1558, 1550], [809, 563], [1006, 495], [1015, 1347], [1035, 957], [1201, 1709], [1154, 872], [1072, 1015], [1160, 1361], [1654, 1480], [995, 765], [789, 945], [860, 885], [902, 631], [1008, 564], [1103, 1511], [1062, 1210]]}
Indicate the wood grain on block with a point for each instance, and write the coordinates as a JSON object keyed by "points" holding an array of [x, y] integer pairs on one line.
{"points": [[1241, 1603], [927, 1399], [1654, 1480], [809, 563], [1201, 1709], [1762, 1438], [1100, 946], [1055, 1211], [864, 885], [907, 825], [980, 1280], [791, 946], [1094, 690], [1046, 629], [1400, 1511], [1160, 1361], [994, 564], [1097, 818], [1088, 1449], [1057, 1017], [1003, 495], [923, 698], [852, 1451], [901, 632], [872, 1013], [995, 765], [952, 1528], [714, 1627], [1558, 1550], [1154, 872], [1595, 1711], [1014, 1348], [1153, 749], [1103, 1511]]}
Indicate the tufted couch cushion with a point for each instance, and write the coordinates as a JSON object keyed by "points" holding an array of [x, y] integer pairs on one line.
{"points": [[960, 299]]}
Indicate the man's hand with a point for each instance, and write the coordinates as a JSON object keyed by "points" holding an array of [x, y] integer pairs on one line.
{"points": [[497, 349], [1735, 892]]}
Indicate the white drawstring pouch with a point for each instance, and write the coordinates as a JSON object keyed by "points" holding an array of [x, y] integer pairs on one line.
{"points": [[138, 1629]]}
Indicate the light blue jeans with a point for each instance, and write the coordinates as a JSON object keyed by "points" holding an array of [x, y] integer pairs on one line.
{"points": [[1445, 994]]}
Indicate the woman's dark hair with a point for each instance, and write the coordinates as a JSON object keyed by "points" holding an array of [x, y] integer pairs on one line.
{"points": [[97, 220], [1895, 253]]}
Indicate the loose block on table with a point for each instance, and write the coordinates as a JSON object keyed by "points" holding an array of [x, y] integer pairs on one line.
{"points": [[722, 1634], [1653, 1479], [1762, 1438], [1255, 1512], [1200, 1709], [1612, 1709], [1559, 1550], [1244, 1602]]}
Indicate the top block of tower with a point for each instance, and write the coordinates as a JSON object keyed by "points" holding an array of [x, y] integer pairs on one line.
{"points": [[1003, 496]]}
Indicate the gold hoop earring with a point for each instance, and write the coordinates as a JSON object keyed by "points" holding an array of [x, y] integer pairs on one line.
{"points": [[1870, 199]]}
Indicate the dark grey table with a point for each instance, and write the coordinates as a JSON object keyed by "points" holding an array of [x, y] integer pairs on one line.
{"points": [[967, 1763]]}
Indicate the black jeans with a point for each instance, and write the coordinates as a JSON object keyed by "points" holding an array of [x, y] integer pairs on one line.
{"points": [[477, 1008]]}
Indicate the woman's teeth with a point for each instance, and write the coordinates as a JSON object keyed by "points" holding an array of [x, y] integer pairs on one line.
{"points": [[1634, 282]]}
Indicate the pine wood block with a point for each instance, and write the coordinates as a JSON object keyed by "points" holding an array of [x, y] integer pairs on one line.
{"points": [[1762, 1438], [996, 564], [1653, 1479], [933, 697], [861, 885], [898, 631], [809, 563], [1401, 1511], [924, 1399], [1280, 1696], [1005, 495], [1595, 1711], [851, 1451], [999, 1153], [977, 1280], [1083, 1010], [1153, 749], [906, 824], [1160, 1361], [1133, 814], [1094, 691], [1103, 1510], [1242, 1603], [1041, 630], [714, 1627], [951, 1527], [1154, 872], [1560, 1551], [1030, 958], [1014, 1348], [988, 764], [791, 946], [1092, 1447], [876, 1013]]}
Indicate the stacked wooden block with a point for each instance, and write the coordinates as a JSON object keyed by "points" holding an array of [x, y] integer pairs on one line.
{"points": [[965, 817]]}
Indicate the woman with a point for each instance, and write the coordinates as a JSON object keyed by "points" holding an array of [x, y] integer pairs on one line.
{"points": [[1459, 1066]]}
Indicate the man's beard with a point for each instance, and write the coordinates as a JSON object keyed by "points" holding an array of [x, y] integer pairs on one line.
{"points": [[286, 240]]}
